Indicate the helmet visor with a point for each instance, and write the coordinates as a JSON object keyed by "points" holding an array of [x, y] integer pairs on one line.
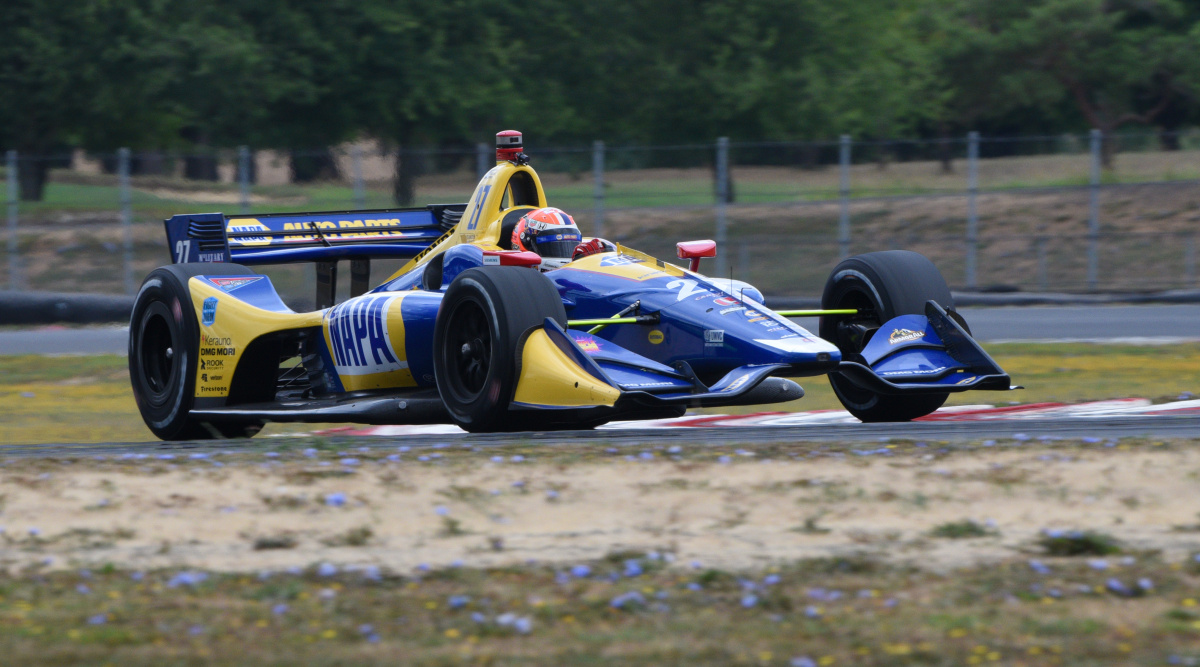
{"points": [[557, 244]]}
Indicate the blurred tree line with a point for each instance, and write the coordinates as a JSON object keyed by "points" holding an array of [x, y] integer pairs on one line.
{"points": [[196, 76]]}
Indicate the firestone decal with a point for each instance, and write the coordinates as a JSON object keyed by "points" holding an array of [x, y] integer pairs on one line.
{"points": [[904, 335]]}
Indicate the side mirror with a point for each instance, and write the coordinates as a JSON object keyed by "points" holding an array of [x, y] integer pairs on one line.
{"points": [[694, 250]]}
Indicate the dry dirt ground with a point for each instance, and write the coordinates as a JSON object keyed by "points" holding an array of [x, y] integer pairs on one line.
{"points": [[728, 508]]}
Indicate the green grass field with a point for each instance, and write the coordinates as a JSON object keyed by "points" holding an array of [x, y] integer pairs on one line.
{"points": [[1007, 615], [87, 399]]}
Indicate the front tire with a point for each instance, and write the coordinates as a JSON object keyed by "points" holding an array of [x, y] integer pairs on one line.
{"points": [[882, 286], [482, 321]]}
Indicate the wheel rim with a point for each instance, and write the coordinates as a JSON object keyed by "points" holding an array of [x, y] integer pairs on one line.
{"points": [[851, 334], [159, 355], [468, 350]]}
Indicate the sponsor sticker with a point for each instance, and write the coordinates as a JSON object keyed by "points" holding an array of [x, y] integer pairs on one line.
{"points": [[229, 284], [359, 338], [216, 346], [491, 259], [737, 384], [903, 336], [725, 301], [211, 364], [619, 260], [726, 311], [655, 337], [920, 371], [209, 311], [238, 227], [588, 345], [714, 336]]}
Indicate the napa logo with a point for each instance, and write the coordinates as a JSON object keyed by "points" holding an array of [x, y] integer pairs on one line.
{"points": [[208, 313], [359, 339], [239, 232]]}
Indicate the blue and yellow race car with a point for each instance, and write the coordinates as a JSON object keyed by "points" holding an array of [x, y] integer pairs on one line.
{"points": [[487, 328]]}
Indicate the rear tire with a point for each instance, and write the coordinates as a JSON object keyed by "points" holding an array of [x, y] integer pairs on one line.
{"points": [[881, 285], [164, 340], [482, 319]]}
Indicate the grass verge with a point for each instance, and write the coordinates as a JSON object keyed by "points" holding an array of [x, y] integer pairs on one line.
{"points": [[632, 608]]}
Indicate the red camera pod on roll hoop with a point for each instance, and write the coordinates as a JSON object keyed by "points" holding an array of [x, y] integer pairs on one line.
{"points": [[694, 250]]}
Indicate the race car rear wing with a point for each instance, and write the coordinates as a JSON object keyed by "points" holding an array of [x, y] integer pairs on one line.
{"points": [[282, 238], [322, 238]]}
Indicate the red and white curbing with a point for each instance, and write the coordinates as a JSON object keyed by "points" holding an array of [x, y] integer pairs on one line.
{"points": [[1123, 407]]}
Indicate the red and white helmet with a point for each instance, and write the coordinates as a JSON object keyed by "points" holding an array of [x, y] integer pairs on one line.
{"points": [[549, 232]]}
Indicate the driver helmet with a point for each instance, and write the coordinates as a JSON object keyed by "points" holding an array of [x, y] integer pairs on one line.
{"points": [[549, 232]]}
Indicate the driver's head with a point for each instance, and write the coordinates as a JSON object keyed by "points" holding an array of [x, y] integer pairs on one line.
{"points": [[550, 233]]}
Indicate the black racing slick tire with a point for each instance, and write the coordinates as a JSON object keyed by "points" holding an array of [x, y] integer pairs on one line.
{"points": [[881, 285], [164, 339], [483, 318]]}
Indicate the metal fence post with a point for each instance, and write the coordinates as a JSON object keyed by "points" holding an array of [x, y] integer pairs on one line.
{"points": [[1189, 261], [14, 195], [722, 200], [844, 196], [483, 156], [1043, 270], [126, 216], [972, 214], [1093, 258], [244, 177], [598, 191], [360, 193]]}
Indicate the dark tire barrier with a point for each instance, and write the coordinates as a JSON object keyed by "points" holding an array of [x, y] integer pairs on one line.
{"points": [[56, 308]]}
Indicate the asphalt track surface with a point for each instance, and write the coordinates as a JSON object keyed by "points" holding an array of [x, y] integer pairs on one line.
{"points": [[1187, 427], [1150, 323]]}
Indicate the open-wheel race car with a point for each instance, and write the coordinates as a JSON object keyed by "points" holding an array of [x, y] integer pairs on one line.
{"points": [[505, 318]]}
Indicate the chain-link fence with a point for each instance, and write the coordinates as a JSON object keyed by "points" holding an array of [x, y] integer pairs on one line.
{"points": [[1047, 213]]}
